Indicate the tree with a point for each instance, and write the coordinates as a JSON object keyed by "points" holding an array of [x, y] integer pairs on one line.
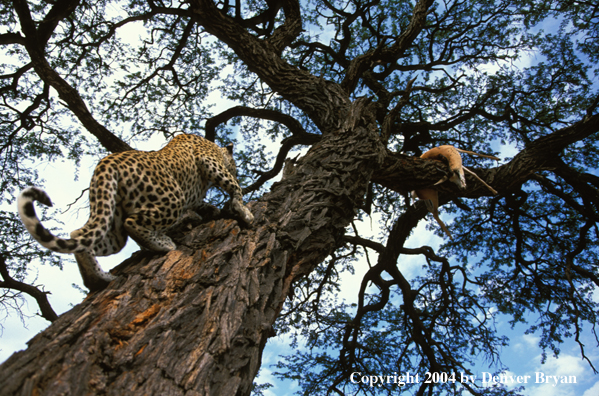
{"points": [[367, 87]]}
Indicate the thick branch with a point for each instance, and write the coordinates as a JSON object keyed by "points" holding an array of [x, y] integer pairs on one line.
{"points": [[196, 320], [299, 136], [298, 86], [59, 11], [12, 38], [294, 126], [402, 173], [291, 28]]}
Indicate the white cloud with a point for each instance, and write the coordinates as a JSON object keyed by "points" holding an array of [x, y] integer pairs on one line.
{"points": [[549, 378], [525, 343], [564, 365], [531, 340], [276, 347], [592, 391]]}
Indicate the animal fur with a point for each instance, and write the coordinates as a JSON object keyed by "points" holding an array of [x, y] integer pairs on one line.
{"points": [[450, 155]]}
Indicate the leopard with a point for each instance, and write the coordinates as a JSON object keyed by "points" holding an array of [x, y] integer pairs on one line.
{"points": [[139, 194]]}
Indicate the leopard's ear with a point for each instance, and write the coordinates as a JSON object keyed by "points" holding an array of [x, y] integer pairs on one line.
{"points": [[230, 148]]}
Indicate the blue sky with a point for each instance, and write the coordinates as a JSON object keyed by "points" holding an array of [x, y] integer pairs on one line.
{"points": [[523, 356]]}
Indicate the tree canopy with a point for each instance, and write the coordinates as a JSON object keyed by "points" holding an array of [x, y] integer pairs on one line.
{"points": [[363, 88]]}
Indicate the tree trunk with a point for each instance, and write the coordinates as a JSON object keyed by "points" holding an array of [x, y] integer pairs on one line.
{"points": [[195, 321]]}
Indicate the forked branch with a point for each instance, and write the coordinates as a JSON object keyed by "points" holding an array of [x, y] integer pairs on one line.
{"points": [[40, 297]]}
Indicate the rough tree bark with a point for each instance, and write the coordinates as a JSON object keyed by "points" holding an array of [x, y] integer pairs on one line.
{"points": [[196, 320]]}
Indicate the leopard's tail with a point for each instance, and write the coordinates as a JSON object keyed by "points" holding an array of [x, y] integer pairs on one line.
{"points": [[35, 227], [94, 278]]}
